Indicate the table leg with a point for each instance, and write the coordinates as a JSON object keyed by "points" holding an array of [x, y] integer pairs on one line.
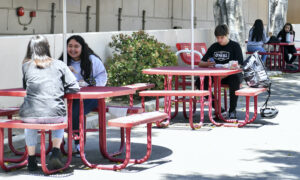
{"points": [[2, 160], [43, 156], [10, 143], [247, 121], [183, 99], [176, 98], [210, 100], [283, 60], [217, 89], [167, 103], [219, 107]]}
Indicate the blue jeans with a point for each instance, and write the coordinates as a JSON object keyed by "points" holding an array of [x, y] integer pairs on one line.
{"points": [[31, 134], [257, 48], [89, 105]]}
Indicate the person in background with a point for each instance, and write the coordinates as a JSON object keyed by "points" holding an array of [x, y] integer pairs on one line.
{"points": [[257, 38], [89, 71], [287, 31], [222, 52], [46, 80]]}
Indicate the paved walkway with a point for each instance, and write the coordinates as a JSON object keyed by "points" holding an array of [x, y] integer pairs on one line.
{"points": [[265, 150]]}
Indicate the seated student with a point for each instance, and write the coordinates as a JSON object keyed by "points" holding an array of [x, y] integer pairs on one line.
{"points": [[223, 51], [89, 71], [287, 30], [46, 80], [257, 38]]}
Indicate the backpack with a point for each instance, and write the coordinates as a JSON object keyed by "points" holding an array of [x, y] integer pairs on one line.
{"points": [[273, 39], [256, 76]]}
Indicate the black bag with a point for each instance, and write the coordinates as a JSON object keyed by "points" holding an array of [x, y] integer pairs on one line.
{"points": [[256, 76], [273, 39]]}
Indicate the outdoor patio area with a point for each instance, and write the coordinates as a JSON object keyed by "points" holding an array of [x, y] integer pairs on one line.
{"points": [[267, 149], [156, 89]]}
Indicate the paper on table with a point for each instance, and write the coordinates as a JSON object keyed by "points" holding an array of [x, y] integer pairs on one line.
{"points": [[117, 111]]}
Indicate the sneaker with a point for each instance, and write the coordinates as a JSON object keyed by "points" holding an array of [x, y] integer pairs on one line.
{"points": [[232, 115], [291, 67], [55, 159], [32, 163]]}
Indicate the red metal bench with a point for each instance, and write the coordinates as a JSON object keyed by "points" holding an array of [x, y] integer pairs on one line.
{"points": [[167, 108], [139, 87], [21, 162], [249, 92], [128, 123], [9, 112]]}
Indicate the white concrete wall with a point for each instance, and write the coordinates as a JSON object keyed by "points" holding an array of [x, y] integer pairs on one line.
{"points": [[42, 22], [13, 50], [158, 14], [297, 37]]}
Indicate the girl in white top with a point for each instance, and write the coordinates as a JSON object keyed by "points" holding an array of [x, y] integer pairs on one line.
{"points": [[89, 71]]}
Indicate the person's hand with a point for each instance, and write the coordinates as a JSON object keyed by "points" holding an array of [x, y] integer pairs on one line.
{"points": [[72, 70], [270, 34], [82, 83], [210, 64]]}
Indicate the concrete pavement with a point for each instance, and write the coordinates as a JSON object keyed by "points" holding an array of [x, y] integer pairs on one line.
{"points": [[268, 149]]}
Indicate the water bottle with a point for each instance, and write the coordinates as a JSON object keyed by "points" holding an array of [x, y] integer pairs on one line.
{"points": [[291, 37], [288, 37]]}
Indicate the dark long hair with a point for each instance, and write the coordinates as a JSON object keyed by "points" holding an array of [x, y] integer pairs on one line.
{"points": [[291, 28], [282, 33], [38, 51], [85, 63], [257, 30]]}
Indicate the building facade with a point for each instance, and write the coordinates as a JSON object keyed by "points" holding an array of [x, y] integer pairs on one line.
{"points": [[113, 15]]}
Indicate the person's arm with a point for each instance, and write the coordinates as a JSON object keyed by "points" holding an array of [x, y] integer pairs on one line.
{"points": [[69, 80], [250, 34], [265, 37], [204, 61], [23, 79], [99, 71], [280, 36], [238, 54], [294, 34]]}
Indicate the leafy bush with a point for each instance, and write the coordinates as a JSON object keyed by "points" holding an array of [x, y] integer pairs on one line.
{"points": [[132, 54]]}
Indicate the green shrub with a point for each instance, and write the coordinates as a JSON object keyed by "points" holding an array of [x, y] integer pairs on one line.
{"points": [[132, 54]]}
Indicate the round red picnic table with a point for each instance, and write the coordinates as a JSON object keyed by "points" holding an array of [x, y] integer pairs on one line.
{"points": [[280, 48], [99, 93], [216, 73]]}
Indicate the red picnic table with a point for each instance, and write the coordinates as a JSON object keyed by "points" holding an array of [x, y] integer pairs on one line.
{"points": [[280, 46], [99, 93], [216, 73], [278, 55]]}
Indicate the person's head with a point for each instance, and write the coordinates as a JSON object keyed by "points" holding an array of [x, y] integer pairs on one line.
{"points": [[258, 30], [288, 27], [78, 50], [221, 33], [38, 51]]}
